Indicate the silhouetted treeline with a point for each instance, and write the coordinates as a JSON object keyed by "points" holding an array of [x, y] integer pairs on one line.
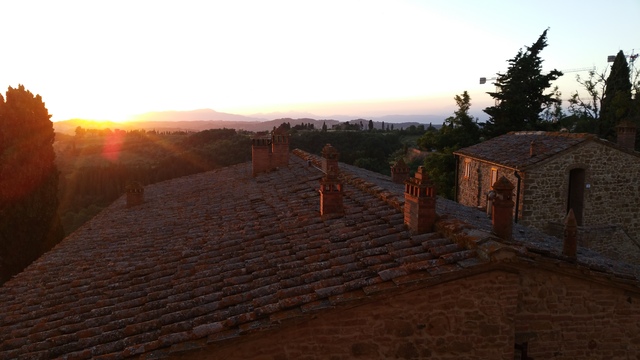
{"points": [[369, 150]]}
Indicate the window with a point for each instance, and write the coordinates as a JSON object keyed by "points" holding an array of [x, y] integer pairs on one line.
{"points": [[494, 176], [467, 168]]}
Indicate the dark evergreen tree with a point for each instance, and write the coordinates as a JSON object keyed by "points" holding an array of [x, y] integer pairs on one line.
{"points": [[370, 125], [29, 221], [520, 93], [457, 131], [616, 100]]}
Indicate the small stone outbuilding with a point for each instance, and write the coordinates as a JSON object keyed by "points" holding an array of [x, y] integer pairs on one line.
{"points": [[554, 172]]}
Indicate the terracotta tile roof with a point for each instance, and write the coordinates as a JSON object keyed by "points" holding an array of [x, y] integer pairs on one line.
{"points": [[210, 257], [514, 149]]}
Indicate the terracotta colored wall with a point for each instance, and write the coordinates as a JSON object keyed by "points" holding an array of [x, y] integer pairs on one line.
{"points": [[465, 319], [571, 318]]}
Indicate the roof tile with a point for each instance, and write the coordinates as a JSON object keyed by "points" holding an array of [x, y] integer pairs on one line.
{"points": [[513, 149], [153, 279]]}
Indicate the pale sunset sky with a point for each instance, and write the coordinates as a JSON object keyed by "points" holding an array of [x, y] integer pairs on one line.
{"points": [[111, 60]]}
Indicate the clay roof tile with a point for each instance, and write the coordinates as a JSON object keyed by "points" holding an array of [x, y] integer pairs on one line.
{"points": [[197, 264]]}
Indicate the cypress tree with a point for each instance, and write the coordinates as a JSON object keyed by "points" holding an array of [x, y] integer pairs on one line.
{"points": [[616, 100], [29, 221], [520, 96]]}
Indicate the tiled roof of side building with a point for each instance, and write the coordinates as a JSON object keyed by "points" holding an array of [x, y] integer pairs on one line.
{"points": [[514, 149], [210, 257]]}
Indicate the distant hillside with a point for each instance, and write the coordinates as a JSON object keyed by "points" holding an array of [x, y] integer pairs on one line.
{"points": [[397, 119], [69, 126], [209, 114], [192, 115], [203, 119]]}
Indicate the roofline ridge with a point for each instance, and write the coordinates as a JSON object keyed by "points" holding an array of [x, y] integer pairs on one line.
{"points": [[359, 183]]}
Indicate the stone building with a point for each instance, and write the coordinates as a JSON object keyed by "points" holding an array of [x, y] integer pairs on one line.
{"points": [[228, 265], [554, 172]]}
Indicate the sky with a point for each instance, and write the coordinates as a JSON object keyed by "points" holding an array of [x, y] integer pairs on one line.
{"points": [[112, 60]]}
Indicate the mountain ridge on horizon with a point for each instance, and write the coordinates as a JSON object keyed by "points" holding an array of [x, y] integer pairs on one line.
{"points": [[203, 119], [210, 114]]}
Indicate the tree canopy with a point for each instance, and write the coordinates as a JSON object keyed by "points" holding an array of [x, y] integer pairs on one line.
{"points": [[616, 100], [457, 131], [29, 222], [520, 96]]}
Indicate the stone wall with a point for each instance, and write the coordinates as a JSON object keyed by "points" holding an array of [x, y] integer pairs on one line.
{"points": [[553, 315], [469, 318], [472, 191], [561, 317], [470, 186], [612, 198]]}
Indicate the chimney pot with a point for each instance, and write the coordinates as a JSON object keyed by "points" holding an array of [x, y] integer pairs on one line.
{"points": [[135, 194], [331, 190], [399, 172], [626, 134], [420, 203], [502, 210]]}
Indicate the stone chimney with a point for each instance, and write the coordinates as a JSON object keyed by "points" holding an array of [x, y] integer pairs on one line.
{"points": [[135, 194], [331, 190], [502, 211], [570, 246], [280, 148], [420, 203], [399, 172], [626, 134], [260, 155]]}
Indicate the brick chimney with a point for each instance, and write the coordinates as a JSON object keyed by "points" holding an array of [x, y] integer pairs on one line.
{"points": [[419, 203], [280, 148], [570, 245], [626, 134], [260, 155], [330, 159], [331, 190], [502, 212], [399, 172], [135, 194]]}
